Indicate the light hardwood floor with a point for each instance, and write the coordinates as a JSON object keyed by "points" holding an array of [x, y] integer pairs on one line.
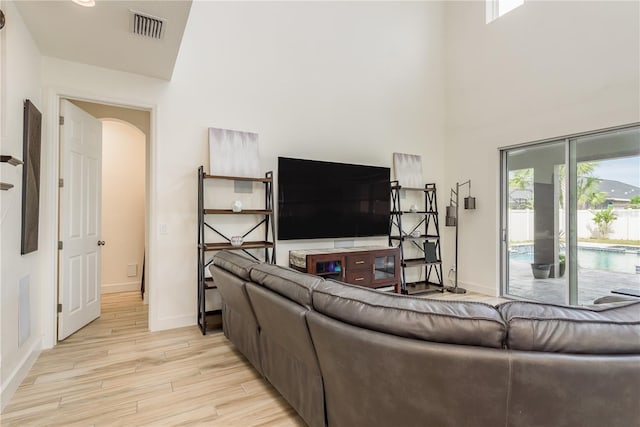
{"points": [[115, 372]]}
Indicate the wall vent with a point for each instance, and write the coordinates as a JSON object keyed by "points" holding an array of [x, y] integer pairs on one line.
{"points": [[147, 25], [24, 310]]}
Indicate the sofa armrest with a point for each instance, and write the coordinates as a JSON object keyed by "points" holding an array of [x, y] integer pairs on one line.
{"points": [[614, 298]]}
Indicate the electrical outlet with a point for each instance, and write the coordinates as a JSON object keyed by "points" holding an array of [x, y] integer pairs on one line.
{"points": [[163, 229], [132, 270]]}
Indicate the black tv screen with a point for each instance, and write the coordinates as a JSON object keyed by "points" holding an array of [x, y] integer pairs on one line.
{"points": [[331, 200]]}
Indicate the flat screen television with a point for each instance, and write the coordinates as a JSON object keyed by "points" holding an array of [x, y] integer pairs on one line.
{"points": [[319, 200]]}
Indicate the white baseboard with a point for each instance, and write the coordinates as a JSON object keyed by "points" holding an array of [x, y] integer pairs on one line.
{"points": [[109, 288], [172, 322], [479, 288], [19, 373]]}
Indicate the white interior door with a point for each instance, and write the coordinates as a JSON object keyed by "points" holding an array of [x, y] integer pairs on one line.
{"points": [[80, 219]]}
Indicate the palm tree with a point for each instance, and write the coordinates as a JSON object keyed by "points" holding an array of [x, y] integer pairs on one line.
{"points": [[603, 220], [521, 180], [587, 186], [587, 194]]}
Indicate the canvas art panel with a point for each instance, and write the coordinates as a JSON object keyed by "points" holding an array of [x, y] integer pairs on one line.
{"points": [[408, 170], [233, 153], [31, 178]]}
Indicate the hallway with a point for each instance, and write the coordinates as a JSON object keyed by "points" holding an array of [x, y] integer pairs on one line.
{"points": [[115, 372]]}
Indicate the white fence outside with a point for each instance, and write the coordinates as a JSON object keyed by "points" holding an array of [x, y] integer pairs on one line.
{"points": [[625, 227]]}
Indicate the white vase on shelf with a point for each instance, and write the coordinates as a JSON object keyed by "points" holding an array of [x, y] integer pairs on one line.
{"points": [[236, 241]]}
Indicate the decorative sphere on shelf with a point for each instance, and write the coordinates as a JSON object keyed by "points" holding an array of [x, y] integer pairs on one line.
{"points": [[236, 206]]}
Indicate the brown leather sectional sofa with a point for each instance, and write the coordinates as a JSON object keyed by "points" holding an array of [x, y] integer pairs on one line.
{"points": [[343, 355]]}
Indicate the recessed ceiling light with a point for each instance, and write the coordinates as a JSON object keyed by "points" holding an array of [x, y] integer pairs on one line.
{"points": [[85, 3]]}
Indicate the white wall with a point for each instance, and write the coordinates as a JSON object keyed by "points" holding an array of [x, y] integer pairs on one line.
{"points": [[123, 210], [546, 69], [340, 82], [21, 73]]}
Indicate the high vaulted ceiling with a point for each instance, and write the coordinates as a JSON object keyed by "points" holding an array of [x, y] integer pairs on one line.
{"points": [[102, 35]]}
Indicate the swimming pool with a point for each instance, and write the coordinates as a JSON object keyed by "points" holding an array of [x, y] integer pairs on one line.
{"points": [[620, 259]]}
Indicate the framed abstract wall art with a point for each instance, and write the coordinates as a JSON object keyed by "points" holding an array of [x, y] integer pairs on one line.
{"points": [[233, 153], [408, 170], [32, 134]]}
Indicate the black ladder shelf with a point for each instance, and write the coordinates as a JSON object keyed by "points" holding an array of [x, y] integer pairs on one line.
{"points": [[13, 162], [206, 249], [424, 236]]}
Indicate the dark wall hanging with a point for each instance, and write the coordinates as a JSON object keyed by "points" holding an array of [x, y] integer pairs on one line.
{"points": [[31, 178]]}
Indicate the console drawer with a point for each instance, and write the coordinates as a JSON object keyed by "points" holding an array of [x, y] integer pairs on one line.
{"points": [[362, 277], [358, 262]]}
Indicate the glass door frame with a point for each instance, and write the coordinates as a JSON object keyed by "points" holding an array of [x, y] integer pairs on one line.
{"points": [[571, 213]]}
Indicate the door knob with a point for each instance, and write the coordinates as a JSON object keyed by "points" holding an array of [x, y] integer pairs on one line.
{"points": [[101, 243]]}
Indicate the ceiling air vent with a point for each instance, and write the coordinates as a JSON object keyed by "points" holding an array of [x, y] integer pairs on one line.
{"points": [[147, 25]]}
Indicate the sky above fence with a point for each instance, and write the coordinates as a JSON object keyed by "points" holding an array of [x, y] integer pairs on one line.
{"points": [[625, 170]]}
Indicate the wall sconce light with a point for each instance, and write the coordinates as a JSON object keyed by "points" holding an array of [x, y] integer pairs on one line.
{"points": [[451, 220], [469, 202]]}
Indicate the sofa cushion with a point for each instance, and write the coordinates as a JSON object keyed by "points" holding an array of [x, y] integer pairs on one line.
{"points": [[454, 322], [289, 283], [235, 263], [602, 329]]}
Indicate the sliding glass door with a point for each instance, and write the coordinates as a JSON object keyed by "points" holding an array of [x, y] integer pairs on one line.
{"points": [[571, 218], [607, 216], [534, 216]]}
